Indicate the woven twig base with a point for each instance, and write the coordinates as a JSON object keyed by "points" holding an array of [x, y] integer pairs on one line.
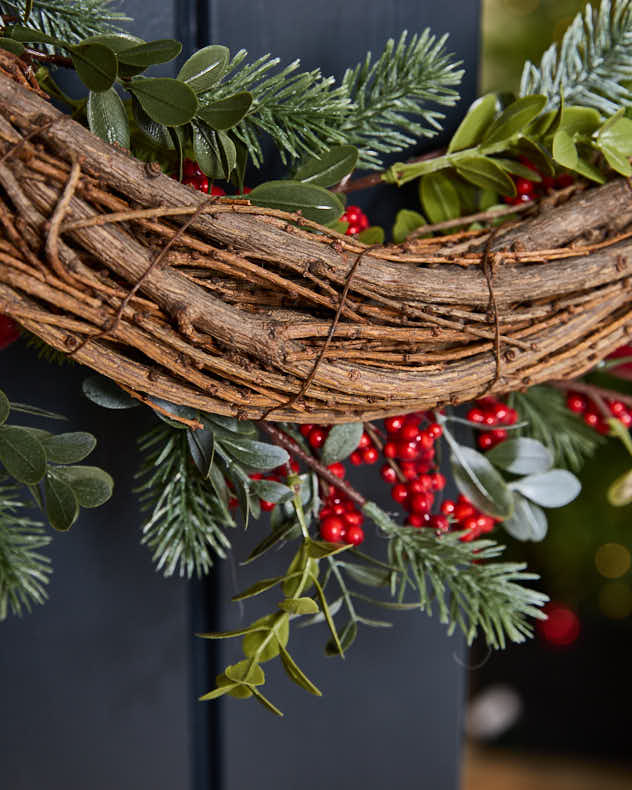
{"points": [[233, 316]]}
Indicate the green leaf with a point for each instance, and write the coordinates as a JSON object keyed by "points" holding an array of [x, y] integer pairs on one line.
{"points": [[165, 100], [620, 492], [237, 690], [579, 120], [299, 606], [118, 43], [487, 174], [522, 456], [156, 132], [207, 152], [481, 483], [107, 394], [439, 198], [588, 170], [617, 136], [218, 692], [296, 674], [342, 440], [363, 574], [226, 113], [347, 638], [11, 45], [228, 151], [202, 449], [527, 522], [285, 531], [372, 235], [183, 412], [514, 119], [266, 703], [246, 672], [616, 160], [248, 629], [516, 169], [69, 448], [107, 117], [314, 202], [62, 507], [406, 222], [271, 491], [150, 53], [205, 68], [22, 455], [330, 168], [551, 489], [336, 642], [265, 644], [478, 119], [96, 65], [317, 549], [256, 455], [5, 408], [30, 35], [91, 485], [618, 429], [564, 150]]}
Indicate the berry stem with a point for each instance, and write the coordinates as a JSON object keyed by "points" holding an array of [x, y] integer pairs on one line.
{"points": [[377, 441], [283, 440], [595, 392]]}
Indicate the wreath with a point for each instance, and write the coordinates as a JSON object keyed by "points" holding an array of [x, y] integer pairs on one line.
{"points": [[269, 328]]}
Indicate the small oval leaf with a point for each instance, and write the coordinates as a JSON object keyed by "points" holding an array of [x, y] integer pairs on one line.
{"points": [[521, 456], [69, 448], [564, 150], [481, 483], [329, 168], [406, 222], [226, 113], [107, 117], [527, 522], [314, 202], [439, 198], [487, 174], [92, 486], [5, 407], [107, 394], [150, 53], [205, 68], [96, 65], [22, 454], [478, 119], [551, 489], [341, 442], [62, 507], [165, 100], [515, 119]]}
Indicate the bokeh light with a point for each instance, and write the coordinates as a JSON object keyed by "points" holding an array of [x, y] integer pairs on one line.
{"points": [[615, 600], [613, 560]]}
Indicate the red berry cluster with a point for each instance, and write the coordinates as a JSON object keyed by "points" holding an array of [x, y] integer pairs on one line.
{"points": [[491, 412], [528, 190], [194, 177], [9, 331], [588, 410], [357, 219], [466, 517], [340, 519]]}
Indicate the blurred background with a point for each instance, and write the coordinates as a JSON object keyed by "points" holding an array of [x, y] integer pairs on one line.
{"points": [[555, 713]]}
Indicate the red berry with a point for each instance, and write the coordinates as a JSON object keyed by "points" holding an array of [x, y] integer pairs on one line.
{"points": [[576, 403], [409, 470], [617, 408], [420, 485], [370, 455], [484, 523], [490, 418], [365, 441], [440, 523], [626, 419], [485, 441], [409, 432], [353, 518], [499, 435], [447, 507], [337, 469], [393, 424], [437, 482], [435, 430], [591, 418], [9, 331], [416, 520], [356, 458], [420, 503], [525, 187], [476, 415], [316, 437], [217, 191], [389, 475], [501, 412], [355, 535], [463, 511], [331, 529], [357, 219], [470, 523], [191, 168], [267, 506], [408, 451], [399, 493], [390, 450], [305, 429]]}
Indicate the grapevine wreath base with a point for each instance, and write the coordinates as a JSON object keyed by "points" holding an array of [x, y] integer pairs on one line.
{"points": [[239, 310]]}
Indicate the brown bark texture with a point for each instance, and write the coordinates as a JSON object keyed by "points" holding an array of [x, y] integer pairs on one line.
{"points": [[232, 309]]}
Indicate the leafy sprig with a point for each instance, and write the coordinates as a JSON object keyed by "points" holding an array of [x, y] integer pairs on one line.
{"points": [[592, 66]]}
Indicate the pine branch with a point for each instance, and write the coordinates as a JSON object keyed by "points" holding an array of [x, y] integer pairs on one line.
{"points": [[24, 571], [373, 108], [69, 20], [551, 422], [593, 63], [185, 525]]}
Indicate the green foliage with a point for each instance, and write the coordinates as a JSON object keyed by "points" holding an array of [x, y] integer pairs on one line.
{"points": [[24, 571], [592, 66], [186, 520], [72, 20], [570, 441]]}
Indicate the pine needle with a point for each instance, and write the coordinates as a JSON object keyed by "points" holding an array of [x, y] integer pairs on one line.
{"points": [[184, 527], [593, 63], [24, 571]]}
